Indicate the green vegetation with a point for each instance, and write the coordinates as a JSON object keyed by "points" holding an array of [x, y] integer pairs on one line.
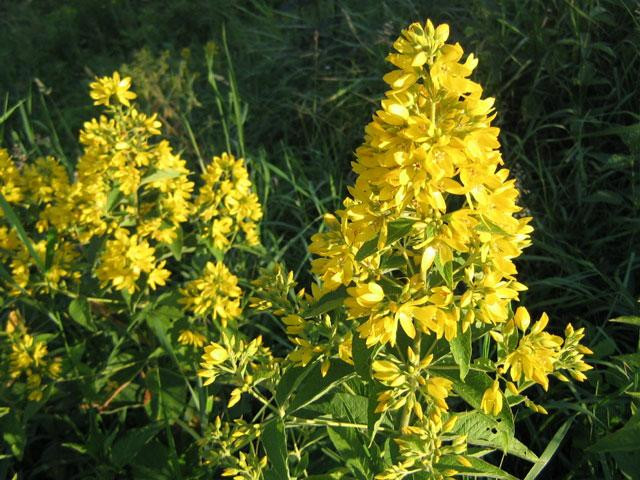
{"points": [[289, 87]]}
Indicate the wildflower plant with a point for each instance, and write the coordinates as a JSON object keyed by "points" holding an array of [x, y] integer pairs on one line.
{"points": [[411, 337], [114, 273]]}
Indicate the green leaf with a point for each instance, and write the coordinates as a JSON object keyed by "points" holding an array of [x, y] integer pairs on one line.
{"points": [[445, 270], [629, 134], [336, 474], [361, 357], [160, 321], [461, 349], [314, 385], [289, 381], [367, 249], [487, 431], [398, 229], [113, 198], [395, 231], [50, 250], [631, 359], [168, 394], [153, 463], [478, 468], [390, 287], [549, 451], [472, 390], [392, 262], [13, 219], [127, 447], [351, 446], [274, 441], [14, 434], [496, 432], [76, 447], [80, 312], [626, 439], [344, 407], [328, 302], [176, 246], [629, 320], [8, 111], [628, 463], [160, 175], [375, 421]]}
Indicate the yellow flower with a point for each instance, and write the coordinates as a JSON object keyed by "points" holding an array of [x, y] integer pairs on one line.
{"points": [[191, 337], [438, 389], [106, 87], [226, 204], [216, 293], [214, 355], [158, 276], [571, 356], [388, 373], [491, 403], [125, 258], [536, 355], [522, 319], [10, 180]]}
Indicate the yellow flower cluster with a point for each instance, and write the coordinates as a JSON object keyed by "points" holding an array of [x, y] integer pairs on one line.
{"points": [[244, 365], [125, 258], [129, 215], [43, 188], [131, 192], [225, 441], [123, 176], [432, 194], [527, 356], [247, 467], [226, 204], [10, 181], [275, 292], [215, 293], [422, 447], [191, 337], [412, 385], [29, 358], [106, 87], [422, 251]]}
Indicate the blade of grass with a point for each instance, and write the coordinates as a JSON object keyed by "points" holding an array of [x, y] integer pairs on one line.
{"points": [[548, 453], [13, 219], [239, 118]]}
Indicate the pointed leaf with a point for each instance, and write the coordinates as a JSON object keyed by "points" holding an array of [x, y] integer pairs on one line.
{"points": [[478, 469], [461, 349], [274, 441], [549, 451], [127, 447], [160, 175], [327, 302], [625, 439], [629, 320], [80, 312], [315, 385], [13, 219]]}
